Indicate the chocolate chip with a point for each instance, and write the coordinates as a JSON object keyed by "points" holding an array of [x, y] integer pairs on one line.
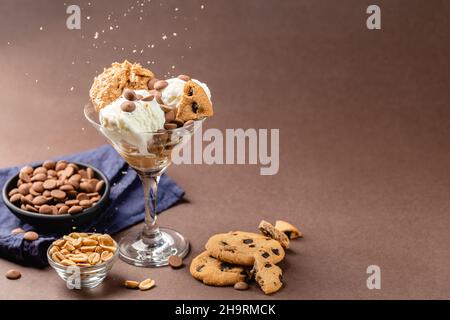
{"points": [[276, 252], [223, 243], [170, 116], [160, 84], [184, 77], [194, 107], [247, 241], [75, 209], [175, 261], [31, 236], [45, 209], [49, 184], [58, 194], [166, 108], [225, 266], [268, 265], [128, 106], [251, 246], [191, 92], [40, 200], [170, 126], [200, 267], [129, 95], [188, 123], [15, 197], [13, 274], [148, 98], [151, 83], [265, 255], [157, 95]]}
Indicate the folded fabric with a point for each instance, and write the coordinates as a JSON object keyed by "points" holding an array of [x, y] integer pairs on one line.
{"points": [[126, 206]]}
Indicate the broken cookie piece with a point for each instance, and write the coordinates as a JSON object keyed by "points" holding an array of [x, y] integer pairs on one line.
{"points": [[288, 229], [195, 103], [269, 230], [267, 275], [214, 272], [108, 85]]}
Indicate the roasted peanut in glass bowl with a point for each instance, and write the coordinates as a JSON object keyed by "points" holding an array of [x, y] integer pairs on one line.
{"points": [[83, 260]]}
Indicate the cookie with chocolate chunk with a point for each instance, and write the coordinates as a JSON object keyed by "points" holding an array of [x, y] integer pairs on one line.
{"points": [[269, 230], [213, 272], [108, 85], [288, 229], [267, 274], [194, 104], [238, 247]]}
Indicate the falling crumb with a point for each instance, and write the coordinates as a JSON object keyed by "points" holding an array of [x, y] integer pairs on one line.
{"points": [[96, 35], [176, 9], [9, 43], [41, 28], [37, 80], [173, 67], [124, 172], [111, 28], [202, 7], [73, 62], [174, 34], [134, 51], [71, 88], [48, 147], [88, 18], [82, 129], [142, 51], [164, 37]]}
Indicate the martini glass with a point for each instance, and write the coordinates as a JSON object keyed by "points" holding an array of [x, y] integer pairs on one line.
{"points": [[149, 154]]}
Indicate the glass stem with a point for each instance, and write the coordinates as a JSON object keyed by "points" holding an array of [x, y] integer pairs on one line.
{"points": [[151, 234]]}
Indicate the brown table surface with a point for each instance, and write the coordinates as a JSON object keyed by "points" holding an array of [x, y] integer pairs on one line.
{"points": [[364, 123]]}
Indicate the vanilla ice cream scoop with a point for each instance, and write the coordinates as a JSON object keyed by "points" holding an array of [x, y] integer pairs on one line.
{"points": [[171, 95], [132, 122]]}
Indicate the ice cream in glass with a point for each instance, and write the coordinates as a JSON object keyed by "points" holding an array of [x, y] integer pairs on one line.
{"points": [[147, 120]]}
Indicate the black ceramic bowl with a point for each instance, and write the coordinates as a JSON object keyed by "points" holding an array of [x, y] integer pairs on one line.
{"points": [[63, 222]]}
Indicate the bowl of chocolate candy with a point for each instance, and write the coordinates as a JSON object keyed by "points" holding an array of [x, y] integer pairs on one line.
{"points": [[57, 195]]}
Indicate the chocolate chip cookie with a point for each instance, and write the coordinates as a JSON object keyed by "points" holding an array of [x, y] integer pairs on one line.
{"points": [[267, 275], [239, 247], [213, 272], [194, 104], [269, 230], [291, 231]]}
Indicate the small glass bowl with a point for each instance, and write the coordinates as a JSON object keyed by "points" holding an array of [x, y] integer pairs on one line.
{"points": [[90, 277]]}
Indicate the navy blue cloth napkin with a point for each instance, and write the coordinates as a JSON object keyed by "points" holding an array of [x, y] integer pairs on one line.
{"points": [[126, 205]]}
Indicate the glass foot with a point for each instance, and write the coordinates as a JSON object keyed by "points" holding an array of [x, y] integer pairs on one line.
{"points": [[133, 250]]}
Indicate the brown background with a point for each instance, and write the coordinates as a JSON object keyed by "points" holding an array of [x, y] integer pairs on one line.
{"points": [[363, 118]]}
